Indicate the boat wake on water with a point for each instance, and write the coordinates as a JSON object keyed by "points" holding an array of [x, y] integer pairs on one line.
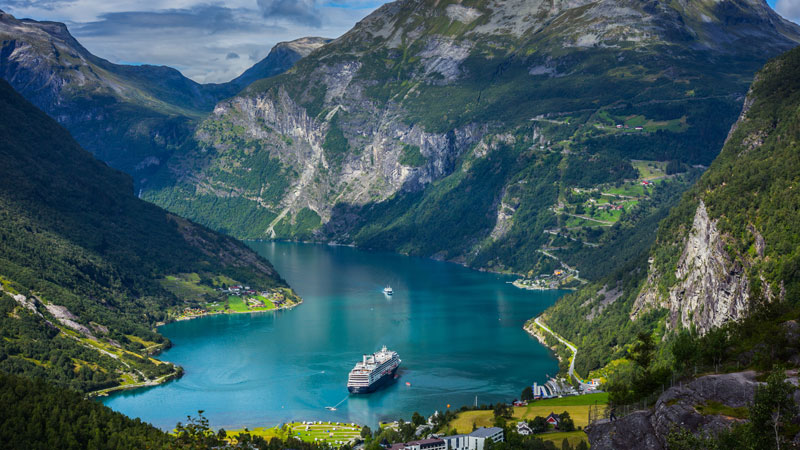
{"points": [[333, 408]]}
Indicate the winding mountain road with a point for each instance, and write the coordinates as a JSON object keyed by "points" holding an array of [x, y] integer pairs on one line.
{"points": [[571, 371]]}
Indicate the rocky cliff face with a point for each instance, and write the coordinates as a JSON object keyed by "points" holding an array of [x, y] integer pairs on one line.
{"points": [[372, 130], [712, 287], [729, 247], [677, 408], [727, 261], [324, 175]]}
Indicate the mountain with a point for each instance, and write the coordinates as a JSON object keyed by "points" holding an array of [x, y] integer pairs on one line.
{"points": [[132, 117], [549, 132], [727, 253], [87, 269], [280, 59]]}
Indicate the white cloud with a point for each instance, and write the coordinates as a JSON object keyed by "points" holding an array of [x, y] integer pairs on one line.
{"points": [[790, 9], [194, 36]]}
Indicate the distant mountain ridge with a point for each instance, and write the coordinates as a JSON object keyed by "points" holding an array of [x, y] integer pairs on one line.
{"points": [[133, 117], [492, 111]]}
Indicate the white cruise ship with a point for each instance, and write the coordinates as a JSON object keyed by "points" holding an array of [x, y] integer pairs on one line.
{"points": [[373, 372]]}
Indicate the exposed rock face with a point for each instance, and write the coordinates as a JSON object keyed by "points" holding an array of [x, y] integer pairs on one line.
{"points": [[63, 315], [712, 288], [676, 409], [417, 92], [374, 172]]}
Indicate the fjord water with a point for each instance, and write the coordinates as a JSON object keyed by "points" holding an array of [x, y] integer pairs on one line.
{"points": [[458, 331]]}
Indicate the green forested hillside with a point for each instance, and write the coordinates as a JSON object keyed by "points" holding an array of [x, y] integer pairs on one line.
{"points": [[36, 415], [750, 193], [509, 136], [82, 260]]}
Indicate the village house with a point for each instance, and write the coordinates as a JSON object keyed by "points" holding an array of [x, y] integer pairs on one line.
{"points": [[523, 429], [553, 419]]}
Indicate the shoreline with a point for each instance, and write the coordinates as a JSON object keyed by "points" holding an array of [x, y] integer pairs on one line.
{"points": [[536, 329], [518, 284], [217, 313], [533, 329], [178, 372]]}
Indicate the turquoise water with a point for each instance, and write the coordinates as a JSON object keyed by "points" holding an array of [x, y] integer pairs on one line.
{"points": [[458, 332]]}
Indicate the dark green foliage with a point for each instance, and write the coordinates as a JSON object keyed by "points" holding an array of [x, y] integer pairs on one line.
{"points": [[590, 170], [527, 394], [366, 432], [538, 424], [73, 233], [336, 146], [750, 191], [300, 227], [565, 422], [503, 410], [412, 222], [35, 415], [411, 156], [623, 249], [231, 215]]}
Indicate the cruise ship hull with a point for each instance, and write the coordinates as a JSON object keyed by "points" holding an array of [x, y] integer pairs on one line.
{"points": [[378, 384]]}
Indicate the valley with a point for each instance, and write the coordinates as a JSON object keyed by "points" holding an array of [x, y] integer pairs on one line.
{"points": [[591, 192]]}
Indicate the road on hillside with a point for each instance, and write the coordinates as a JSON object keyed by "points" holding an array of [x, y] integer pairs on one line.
{"points": [[571, 371]]}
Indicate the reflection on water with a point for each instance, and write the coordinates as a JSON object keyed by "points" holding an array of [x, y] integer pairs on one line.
{"points": [[458, 332]]}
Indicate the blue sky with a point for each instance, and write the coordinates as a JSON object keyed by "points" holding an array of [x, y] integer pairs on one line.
{"points": [[207, 40], [210, 40]]}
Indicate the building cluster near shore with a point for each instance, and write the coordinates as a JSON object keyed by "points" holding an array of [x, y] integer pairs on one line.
{"points": [[559, 387], [472, 441], [277, 298]]}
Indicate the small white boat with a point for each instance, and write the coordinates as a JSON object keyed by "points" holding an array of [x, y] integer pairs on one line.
{"points": [[388, 290], [330, 408]]}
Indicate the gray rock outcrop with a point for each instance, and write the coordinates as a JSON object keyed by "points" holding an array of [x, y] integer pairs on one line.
{"points": [[677, 408]]}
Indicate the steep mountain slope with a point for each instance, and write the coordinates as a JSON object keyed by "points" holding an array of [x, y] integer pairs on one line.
{"points": [[84, 263], [503, 114], [280, 59], [132, 117], [729, 248]]}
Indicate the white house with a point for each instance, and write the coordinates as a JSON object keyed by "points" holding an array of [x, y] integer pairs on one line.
{"points": [[474, 440]]}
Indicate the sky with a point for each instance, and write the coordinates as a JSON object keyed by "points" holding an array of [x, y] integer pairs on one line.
{"points": [[210, 40], [207, 40]]}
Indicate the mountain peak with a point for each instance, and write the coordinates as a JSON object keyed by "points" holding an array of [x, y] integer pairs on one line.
{"points": [[282, 57]]}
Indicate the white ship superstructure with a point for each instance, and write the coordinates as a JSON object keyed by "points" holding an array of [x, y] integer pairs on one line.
{"points": [[373, 371]]}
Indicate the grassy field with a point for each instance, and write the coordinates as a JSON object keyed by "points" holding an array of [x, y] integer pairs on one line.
{"points": [[331, 432], [186, 286], [636, 190], [650, 169], [576, 406], [601, 398], [574, 437], [237, 304]]}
